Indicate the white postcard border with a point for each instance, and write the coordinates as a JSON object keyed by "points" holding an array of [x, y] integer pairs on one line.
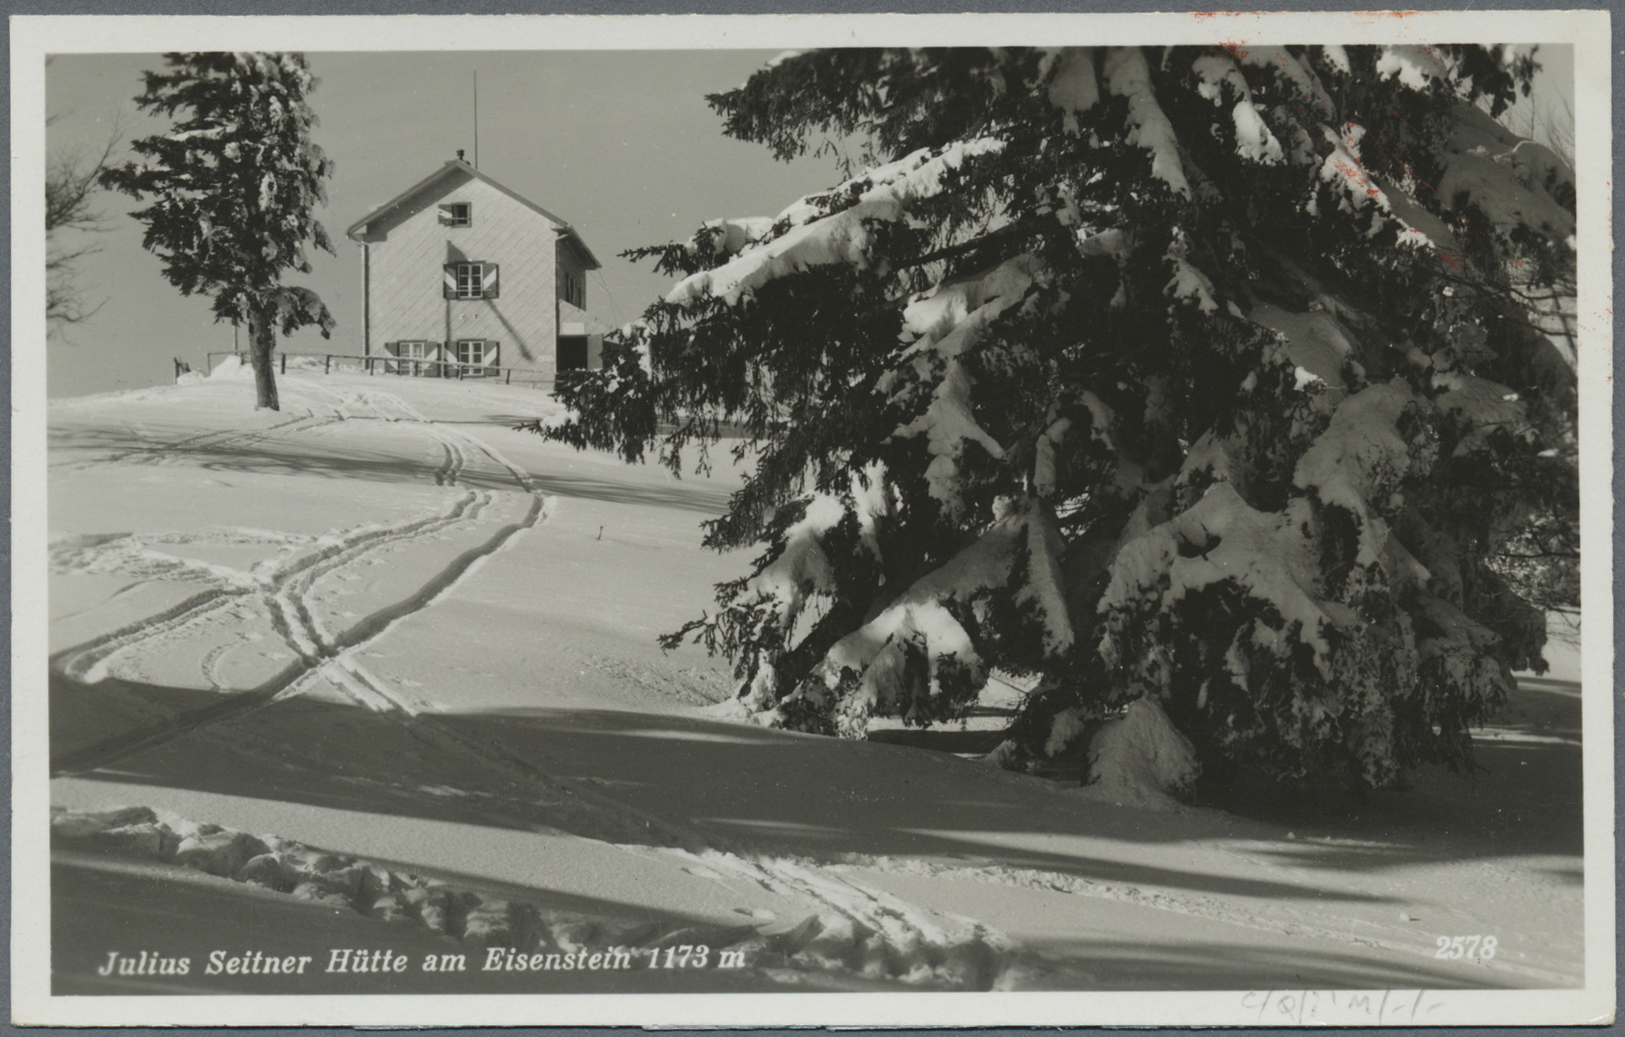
{"points": [[33, 37]]}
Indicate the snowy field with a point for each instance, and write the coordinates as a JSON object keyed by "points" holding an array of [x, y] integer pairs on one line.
{"points": [[377, 672]]}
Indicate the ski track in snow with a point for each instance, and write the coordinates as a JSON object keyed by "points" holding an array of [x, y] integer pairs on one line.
{"points": [[853, 929], [284, 588]]}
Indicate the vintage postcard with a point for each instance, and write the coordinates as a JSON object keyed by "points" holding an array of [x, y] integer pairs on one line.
{"points": [[864, 521]]}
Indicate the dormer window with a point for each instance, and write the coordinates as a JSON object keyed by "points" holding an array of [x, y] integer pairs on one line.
{"points": [[456, 214]]}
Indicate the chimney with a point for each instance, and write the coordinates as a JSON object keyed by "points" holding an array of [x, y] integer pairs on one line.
{"points": [[459, 154]]}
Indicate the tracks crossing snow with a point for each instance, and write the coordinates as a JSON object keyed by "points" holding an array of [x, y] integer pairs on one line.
{"points": [[284, 588], [847, 924]]}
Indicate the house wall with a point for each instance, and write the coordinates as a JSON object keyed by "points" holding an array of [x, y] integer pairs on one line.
{"points": [[570, 262], [409, 249], [578, 322]]}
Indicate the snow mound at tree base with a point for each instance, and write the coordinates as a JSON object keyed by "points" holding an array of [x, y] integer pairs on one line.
{"points": [[1141, 759], [231, 369]]}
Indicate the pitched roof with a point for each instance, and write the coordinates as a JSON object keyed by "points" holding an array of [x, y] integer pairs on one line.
{"points": [[458, 165]]}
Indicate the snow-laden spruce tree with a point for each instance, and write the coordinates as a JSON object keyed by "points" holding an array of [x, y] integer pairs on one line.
{"points": [[234, 182], [1204, 376]]}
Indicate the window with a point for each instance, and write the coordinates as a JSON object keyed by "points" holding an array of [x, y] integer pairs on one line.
{"points": [[469, 276], [456, 214], [476, 355], [470, 281], [412, 356], [575, 291]]}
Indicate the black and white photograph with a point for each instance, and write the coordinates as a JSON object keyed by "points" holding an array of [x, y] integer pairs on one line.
{"points": [[910, 520]]}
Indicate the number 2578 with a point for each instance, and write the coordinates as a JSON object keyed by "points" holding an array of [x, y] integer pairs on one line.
{"points": [[1479, 948]]}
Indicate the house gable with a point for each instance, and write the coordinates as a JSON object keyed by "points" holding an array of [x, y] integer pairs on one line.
{"points": [[410, 250], [459, 260], [430, 190]]}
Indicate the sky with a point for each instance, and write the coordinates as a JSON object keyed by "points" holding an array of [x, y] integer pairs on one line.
{"points": [[619, 143]]}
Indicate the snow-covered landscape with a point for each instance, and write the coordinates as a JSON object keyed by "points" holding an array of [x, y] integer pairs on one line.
{"points": [[1106, 552], [378, 672]]}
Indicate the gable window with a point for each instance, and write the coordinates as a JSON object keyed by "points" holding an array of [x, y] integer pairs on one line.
{"points": [[470, 281], [456, 214]]}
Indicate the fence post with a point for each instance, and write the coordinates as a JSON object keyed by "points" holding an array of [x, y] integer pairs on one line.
{"points": [[327, 364], [507, 379], [284, 363]]}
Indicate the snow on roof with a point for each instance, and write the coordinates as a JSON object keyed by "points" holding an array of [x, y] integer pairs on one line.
{"points": [[457, 165]]}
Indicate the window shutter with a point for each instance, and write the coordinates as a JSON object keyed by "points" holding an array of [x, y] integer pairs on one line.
{"points": [[455, 214], [488, 285], [448, 282], [392, 348], [493, 351]]}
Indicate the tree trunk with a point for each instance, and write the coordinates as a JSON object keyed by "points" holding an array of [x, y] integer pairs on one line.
{"points": [[261, 343]]}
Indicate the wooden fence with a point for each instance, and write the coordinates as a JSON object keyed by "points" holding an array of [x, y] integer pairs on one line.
{"points": [[397, 365]]}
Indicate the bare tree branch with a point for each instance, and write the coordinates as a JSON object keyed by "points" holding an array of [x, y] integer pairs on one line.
{"points": [[70, 211]]}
